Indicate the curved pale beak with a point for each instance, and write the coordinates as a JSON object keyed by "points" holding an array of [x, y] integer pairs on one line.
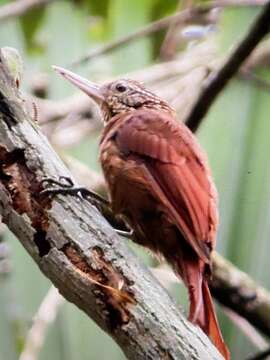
{"points": [[88, 87]]}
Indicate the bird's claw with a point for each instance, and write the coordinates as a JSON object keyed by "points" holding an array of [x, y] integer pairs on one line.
{"points": [[62, 182], [65, 186], [126, 234]]}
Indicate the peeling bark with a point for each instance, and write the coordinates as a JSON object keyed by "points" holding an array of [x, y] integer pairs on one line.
{"points": [[76, 248]]}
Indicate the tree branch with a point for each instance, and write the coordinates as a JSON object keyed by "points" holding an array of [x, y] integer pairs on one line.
{"points": [[80, 253], [195, 14], [237, 291], [5, 266], [260, 356], [222, 76], [20, 7], [44, 317], [251, 333], [181, 17]]}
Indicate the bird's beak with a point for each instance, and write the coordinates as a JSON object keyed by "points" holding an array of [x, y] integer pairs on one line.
{"points": [[88, 87]]}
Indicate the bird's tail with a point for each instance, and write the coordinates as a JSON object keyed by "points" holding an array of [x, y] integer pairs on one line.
{"points": [[202, 312], [207, 320]]}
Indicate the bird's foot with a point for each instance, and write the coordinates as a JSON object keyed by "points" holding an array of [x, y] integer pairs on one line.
{"points": [[65, 186]]}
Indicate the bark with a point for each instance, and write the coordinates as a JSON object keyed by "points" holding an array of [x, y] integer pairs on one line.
{"points": [[77, 249]]}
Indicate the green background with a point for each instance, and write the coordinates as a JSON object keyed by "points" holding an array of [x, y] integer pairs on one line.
{"points": [[235, 134]]}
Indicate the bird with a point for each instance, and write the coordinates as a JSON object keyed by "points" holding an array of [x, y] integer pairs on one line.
{"points": [[160, 183]]}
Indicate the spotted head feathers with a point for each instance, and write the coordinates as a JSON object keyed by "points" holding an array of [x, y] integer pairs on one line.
{"points": [[125, 95]]}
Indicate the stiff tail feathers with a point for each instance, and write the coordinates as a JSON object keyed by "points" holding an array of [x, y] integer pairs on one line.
{"points": [[207, 320], [202, 312]]}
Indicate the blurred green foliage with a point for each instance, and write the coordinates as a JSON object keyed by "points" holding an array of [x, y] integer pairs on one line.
{"points": [[235, 135]]}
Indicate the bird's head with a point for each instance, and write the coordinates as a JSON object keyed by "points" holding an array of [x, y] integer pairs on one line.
{"points": [[118, 96]]}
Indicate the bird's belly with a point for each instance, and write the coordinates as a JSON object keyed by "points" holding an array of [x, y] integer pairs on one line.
{"points": [[133, 197]]}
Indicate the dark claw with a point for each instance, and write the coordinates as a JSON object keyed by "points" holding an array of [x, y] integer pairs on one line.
{"points": [[67, 179], [63, 182], [54, 187], [65, 186]]}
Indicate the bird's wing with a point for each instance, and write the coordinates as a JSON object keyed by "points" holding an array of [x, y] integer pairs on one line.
{"points": [[178, 169]]}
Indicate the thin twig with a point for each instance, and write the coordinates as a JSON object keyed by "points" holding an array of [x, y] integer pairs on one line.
{"points": [[20, 7], [255, 79], [44, 317], [247, 329], [221, 77], [155, 26], [168, 46], [180, 17], [260, 356], [5, 266], [237, 291]]}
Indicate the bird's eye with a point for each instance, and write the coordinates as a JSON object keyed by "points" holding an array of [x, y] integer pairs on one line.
{"points": [[121, 88]]}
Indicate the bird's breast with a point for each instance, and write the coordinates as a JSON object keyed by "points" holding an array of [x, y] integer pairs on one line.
{"points": [[123, 175], [112, 163]]}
